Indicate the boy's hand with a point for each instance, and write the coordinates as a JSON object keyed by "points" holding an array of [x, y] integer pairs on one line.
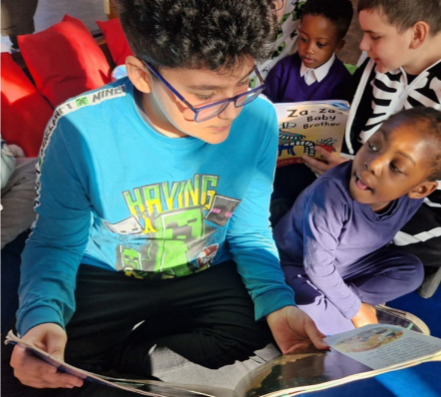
{"points": [[34, 372], [293, 329], [366, 315], [320, 166]]}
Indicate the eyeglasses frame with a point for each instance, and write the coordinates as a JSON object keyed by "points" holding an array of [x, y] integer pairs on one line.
{"points": [[197, 110]]}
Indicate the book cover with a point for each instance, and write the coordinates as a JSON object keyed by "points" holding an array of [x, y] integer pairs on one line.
{"points": [[305, 125]]}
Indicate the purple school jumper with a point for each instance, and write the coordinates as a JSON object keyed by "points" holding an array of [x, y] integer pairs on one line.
{"points": [[334, 252], [284, 83]]}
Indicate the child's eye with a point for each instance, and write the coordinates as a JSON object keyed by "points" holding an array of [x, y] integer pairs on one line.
{"points": [[303, 39], [204, 97], [321, 45], [375, 37], [394, 168], [372, 147]]}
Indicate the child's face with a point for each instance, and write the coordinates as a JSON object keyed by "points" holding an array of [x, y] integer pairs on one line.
{"points": [[395, 161], [318, 40], [199, 87], [384, 43]]}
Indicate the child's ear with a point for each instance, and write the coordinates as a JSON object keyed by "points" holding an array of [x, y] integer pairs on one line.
{"points": [[138, 75], [339, 46], [420, 31], [423, 190]]}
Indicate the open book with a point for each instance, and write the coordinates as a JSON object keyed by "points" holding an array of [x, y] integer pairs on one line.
{"points": [[305, 125], [358, 354]]}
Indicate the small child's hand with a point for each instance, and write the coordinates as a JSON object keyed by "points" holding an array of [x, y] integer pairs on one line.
{"points": [[320, 166], [366, 315]]}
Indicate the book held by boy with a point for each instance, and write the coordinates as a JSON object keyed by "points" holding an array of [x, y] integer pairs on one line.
{"points": [[305, 125], [358, 354]]}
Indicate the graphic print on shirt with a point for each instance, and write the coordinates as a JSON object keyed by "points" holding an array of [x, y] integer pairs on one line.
{"points": [[172, 229], [286, 42], [391, 93]]}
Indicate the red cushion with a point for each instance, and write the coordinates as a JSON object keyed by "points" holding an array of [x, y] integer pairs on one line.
{"points": [[64, 60], [116, 40], [25, 112]]}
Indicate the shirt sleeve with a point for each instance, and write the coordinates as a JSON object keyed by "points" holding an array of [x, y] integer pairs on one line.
{"points": [[249, 234], [324, 216], [273, 83], [54, 250]]}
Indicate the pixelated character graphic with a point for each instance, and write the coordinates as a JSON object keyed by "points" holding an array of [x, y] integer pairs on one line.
{"points": [[207, 255], [222, 210], [83, 101], [129, 226], [129, 260], [180, 236]]}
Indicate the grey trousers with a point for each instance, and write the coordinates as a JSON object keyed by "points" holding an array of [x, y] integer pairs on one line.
{"points": [[17, 17]]}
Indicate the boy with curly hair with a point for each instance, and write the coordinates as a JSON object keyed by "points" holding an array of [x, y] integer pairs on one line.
{"points": [[153, 196]]}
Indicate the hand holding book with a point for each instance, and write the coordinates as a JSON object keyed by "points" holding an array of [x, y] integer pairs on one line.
{"points": [[328, 161], [292, 329], [32, 371]]}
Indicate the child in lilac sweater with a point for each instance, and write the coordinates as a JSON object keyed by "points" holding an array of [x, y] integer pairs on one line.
{"points": [[333, 243]]}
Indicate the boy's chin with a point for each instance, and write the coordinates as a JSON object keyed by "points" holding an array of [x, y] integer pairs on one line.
{"points": [[382, 68]]}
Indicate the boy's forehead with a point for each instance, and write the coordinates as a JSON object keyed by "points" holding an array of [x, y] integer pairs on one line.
{"points": [[318, 25], [204, 75], [374, 19]]}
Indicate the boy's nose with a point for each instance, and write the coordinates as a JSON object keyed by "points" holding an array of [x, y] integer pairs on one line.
{"points": [[364, 43], [230, 112], [310, 49]]}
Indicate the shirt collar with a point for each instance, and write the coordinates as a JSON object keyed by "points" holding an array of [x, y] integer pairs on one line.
{"points": [[320, 72]]}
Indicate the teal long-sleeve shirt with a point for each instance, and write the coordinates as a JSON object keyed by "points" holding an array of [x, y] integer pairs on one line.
{"points": [[114, 193]]}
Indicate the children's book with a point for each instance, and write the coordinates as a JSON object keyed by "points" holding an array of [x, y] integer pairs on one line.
{"points": [[305, 125], [361, 353]]}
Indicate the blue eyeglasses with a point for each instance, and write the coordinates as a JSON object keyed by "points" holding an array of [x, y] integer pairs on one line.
{"points": [[207, 112]]}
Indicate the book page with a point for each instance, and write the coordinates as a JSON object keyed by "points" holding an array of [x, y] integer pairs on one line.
{"points": [[379, 346]]}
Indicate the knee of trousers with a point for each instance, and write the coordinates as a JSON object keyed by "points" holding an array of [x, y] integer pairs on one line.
{"points": [[412, 273]]}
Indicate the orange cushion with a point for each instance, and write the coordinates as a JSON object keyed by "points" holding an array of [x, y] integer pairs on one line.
{"points": [[116, 40], [64, 60], [25, 112]]}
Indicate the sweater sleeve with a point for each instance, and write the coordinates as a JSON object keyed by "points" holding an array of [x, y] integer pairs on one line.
{"points": [[54, 250], [324, 216], [273, 83], [322, 226], [249, 234]]}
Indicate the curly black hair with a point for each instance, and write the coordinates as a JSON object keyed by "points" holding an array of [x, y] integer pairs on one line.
{"points": [[192, 34], [339, 12], [403, 14]]}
